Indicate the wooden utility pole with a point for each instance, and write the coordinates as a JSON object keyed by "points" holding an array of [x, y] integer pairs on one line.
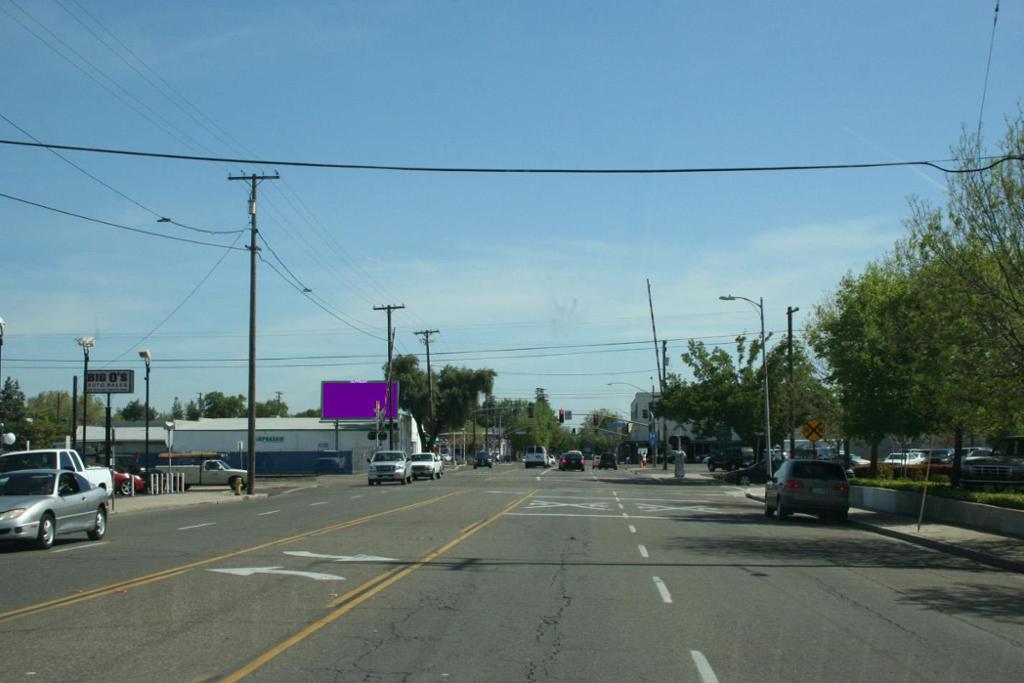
{"points": [[390, 399], [254, 181], [430, 382]]}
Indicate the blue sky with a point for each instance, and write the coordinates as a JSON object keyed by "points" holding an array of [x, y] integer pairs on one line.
{"points": [[492, 261]]}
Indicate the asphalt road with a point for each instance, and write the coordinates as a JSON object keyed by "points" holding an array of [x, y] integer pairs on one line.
{"points": [[502, 575]]}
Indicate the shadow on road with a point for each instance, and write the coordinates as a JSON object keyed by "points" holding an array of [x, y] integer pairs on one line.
{"points": [[1001, 603]]}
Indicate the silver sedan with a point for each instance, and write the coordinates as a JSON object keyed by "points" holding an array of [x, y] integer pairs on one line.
{"points": [[36, 505]]}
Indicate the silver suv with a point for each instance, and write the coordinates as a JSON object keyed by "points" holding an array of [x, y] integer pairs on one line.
{"points": [[809, 486], [389, 466]]}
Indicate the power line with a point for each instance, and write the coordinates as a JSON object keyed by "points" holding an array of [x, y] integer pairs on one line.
{"points": [[117, 225], [161, 217], [937, 165], [988, 65]]}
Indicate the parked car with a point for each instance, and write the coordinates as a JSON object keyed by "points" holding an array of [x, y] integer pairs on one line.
{"points": [[607, 460], [210, 473], [58, 459], [573, 460], [731, 458], [483, 459], [429, 465], [755, 474], [536, 456], [124, 482], [389, 466], [939, 456], [808, 486], [38, 505], [1002, 468], [900, 459]]}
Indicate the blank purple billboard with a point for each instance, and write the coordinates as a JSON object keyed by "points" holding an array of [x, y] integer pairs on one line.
{"points": [[356, 400]]}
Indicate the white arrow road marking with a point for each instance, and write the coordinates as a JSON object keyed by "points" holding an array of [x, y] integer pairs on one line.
{"points": [[666, 597], [196, 526], [707, 674], [340, 558], [249, 571]]}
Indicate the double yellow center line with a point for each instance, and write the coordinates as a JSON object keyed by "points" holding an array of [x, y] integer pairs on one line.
{"points": [[357, 596]]}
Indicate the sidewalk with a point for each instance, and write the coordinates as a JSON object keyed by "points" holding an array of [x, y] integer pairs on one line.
{"points": [[209, 495], [1003, 552]]}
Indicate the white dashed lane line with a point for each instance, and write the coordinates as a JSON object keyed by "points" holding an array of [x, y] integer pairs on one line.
{"points": [[264, 514], [666, 597], [643, 550], [632, 529], [196, 526], [322, 502], [707, 674]]}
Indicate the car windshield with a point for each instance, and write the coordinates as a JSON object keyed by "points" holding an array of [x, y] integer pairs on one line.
{"points": [[422, 457], [26, 484], [388, 456]]}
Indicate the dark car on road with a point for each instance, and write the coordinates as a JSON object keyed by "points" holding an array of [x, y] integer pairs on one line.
{"points": [[483, 459], [607, 460], [809, 486], [755, 474], [573, 460], [731, 458]]}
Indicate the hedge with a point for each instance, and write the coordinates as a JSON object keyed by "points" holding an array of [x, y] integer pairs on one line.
{"points": [[1003, 499]]}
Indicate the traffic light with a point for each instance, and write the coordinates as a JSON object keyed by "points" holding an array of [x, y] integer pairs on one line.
{"points": [[561, 416]]}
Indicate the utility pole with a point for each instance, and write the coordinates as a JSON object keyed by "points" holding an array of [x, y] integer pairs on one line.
{"points": [[278, 412], [657, 363], [390, 395], [789, 359], [199, 405], [254, 181], [430, 381], [664, 424]]}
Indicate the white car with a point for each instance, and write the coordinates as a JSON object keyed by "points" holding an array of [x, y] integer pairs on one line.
{"points": [[537, 456], [389, 466], [908, 458], [429, 465]]}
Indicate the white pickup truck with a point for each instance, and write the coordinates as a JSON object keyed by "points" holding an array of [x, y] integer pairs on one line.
{"points": [[210, 473], [57, 459]]}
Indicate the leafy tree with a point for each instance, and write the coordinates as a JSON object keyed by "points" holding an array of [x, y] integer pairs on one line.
{"points": [[135, 411], [274, 408], [177, 412], [193, 411], [312, 412], [457, 392], [216, 404], [414, 394]]}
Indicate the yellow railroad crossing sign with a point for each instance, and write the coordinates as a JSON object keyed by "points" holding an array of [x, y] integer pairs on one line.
{"points": [[814, 429]]}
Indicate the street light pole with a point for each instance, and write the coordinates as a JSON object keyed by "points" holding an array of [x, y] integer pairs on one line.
{"points": [[3, 326], [86, 343], [790, 310], [148, 358], [759, 305]]}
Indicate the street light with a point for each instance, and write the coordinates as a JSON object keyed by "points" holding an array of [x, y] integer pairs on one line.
{"points": [[3, 326], [146, 356], [759, 305], [86, 343]]}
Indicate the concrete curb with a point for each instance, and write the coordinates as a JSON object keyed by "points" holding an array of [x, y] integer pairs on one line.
{"points": [[178, 503], [949, 548]]}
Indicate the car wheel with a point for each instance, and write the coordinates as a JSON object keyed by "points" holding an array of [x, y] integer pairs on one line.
{"points": [[474, 467], [842, 517], [780, 510], [745, 480], [125, 487], [711, 468], [101, 525], [768, 512], [405, 480], [47, 532], [369, 482]]}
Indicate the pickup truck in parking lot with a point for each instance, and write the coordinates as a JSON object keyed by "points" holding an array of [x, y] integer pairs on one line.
{"points": [[58, 459], [210, 473]]}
